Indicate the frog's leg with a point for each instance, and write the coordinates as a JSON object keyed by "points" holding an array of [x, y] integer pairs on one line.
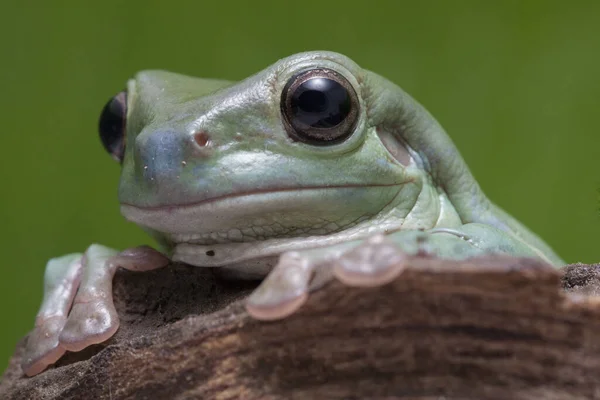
{"points": [[93, 317], [373, 262], [78, 310]]}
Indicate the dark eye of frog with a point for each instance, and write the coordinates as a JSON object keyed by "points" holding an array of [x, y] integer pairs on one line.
{"points": [[319, 107], [112, 125]]}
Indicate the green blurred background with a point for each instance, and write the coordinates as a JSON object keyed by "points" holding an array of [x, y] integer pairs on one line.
{"points": [[515, 83]]}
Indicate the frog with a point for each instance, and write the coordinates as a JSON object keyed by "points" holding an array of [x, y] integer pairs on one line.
{"points": [[312, 170]]}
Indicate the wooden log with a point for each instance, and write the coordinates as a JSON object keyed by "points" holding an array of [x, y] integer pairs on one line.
{"points": [[487, 328]]}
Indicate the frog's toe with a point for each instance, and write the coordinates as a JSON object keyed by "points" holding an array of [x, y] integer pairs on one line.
{"points": [[284, 290], [43, 347], [89, 323], [61, 281], [375, 262], [93, 317]]}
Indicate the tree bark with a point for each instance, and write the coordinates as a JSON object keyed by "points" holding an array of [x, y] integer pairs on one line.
{"points": [[487, 328]]}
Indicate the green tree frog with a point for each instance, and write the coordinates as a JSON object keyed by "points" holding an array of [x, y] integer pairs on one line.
{"points": [[310, 170]]}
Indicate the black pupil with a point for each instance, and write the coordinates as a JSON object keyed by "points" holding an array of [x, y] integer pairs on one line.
{"points": [[112, 124], [320, 103]]}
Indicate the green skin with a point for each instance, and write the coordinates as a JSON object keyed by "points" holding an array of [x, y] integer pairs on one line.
{"points": [[211, 171]]}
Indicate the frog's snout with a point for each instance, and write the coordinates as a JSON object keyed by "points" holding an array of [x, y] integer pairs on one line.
{"points": [[161, 155]]}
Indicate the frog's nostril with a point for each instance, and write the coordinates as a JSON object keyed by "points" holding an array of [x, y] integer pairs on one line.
{"points": [[202, 139]]}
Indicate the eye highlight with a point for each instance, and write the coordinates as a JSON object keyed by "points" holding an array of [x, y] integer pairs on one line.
{"points": [[112, 125], [319, 107]]}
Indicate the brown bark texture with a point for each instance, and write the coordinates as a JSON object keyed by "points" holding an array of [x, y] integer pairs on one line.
{"points": [[486, 328]]}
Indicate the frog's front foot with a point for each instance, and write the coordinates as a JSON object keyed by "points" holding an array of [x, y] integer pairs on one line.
{"points": [[374, 262], [77, 310]]}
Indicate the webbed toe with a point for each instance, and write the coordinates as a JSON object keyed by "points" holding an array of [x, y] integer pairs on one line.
{"points": [[43, 346], [375, 262], [284, 290], [89, 323], [61, 281]]}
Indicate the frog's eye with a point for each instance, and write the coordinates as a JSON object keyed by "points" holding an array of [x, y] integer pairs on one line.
{"points": [[319, 107], [112, 125]]}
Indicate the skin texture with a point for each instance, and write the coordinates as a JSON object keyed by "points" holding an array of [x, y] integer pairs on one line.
{"points": [[212, 171]]}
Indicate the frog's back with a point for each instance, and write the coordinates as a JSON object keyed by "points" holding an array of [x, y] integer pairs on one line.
{"points": [[394, 110]]}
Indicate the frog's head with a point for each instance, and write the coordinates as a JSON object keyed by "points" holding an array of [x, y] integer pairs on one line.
{"points": [[297, 150]]}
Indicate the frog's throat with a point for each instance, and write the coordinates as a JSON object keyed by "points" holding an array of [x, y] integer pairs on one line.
{"points": [[263, 254]]}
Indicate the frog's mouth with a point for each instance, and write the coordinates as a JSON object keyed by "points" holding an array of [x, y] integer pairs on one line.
{"points": [[259, 216], [251, 229]]}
